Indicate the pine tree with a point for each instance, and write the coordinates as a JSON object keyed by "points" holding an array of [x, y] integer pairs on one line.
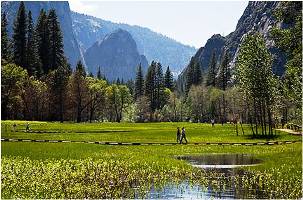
{"points": [[197, 75], [159, 86], [59, 83], [5, 43], [32, 56], [99, 75], [56, 52], [131, 86], [139, 83], [80, 69], [224, 71], [211, 76], [118, 82], [19, 37], [168, 79], [78, 90], [150, 85], [43, 40], [189, 76], [91, 75], [223, 79]]}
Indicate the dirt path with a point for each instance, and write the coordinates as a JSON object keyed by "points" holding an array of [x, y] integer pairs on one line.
{"points": [[290, 131]]}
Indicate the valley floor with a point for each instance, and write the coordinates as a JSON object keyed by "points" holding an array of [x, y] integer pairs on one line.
{"points": [[75, 170]]}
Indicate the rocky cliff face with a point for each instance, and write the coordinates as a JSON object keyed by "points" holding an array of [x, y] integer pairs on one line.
{"points": [[71, 47], [257, 17], [153, 45], [116, 55], [203, 55]]}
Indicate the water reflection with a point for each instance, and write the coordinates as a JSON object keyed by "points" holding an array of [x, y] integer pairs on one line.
{"points": [[185, 190], [221, 172], [221, 160]]}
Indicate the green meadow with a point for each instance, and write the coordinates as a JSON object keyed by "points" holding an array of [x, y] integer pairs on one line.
{"points": [[134, 132], [76, 170]]}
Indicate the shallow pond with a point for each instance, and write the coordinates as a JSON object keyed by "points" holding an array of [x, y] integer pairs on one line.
{"points": [[221, 170], [221, 161], [186, 190]]}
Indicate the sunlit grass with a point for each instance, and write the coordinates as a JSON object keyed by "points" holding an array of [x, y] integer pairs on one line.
{"points": [[71, 170], [134, 132]]}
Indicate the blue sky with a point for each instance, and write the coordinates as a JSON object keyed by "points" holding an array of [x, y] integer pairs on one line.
{"points": [[189, 22]]}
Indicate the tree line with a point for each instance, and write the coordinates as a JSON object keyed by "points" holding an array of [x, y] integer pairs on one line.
{"points": [[39, 84]]}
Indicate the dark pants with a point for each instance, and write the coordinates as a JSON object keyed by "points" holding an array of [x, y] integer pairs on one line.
{"points": [[178, 137], [183, 137]]}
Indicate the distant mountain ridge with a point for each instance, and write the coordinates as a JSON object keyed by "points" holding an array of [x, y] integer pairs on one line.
{"points": [[153, 45], [116, 55], [81, 31]]}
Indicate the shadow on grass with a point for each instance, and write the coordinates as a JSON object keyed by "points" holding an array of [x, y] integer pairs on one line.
{"points": [[267, 137]]}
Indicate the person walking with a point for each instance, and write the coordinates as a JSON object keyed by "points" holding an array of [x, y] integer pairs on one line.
{"points": [[183, 136], [212, 122], [178, 134], [27, 127], [14, 127]]}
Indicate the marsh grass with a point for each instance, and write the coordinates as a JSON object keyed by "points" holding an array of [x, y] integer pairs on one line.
{"points": [[71, 170]]}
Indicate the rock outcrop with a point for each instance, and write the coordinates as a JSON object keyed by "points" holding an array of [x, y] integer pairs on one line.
{"points": [[258, 17], [116, 55]]}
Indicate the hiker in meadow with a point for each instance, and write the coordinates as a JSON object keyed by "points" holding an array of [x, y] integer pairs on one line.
{"points": [[212, 122], [183, 136], [27, 127], [178, 134], [14, 127]]}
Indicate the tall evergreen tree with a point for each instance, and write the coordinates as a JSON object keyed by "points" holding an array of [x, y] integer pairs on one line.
{"points": [[189, 76], [56, 52], [223, 79], [19, 37], [99, 75], [5, 43], [212, 71], [32, 57], [159, 86], [224, 71], [139, 83], [79, 87], [197, 75], [118, 82], [43, 40], [131, 86], [168, 79], [150, 85], [91, 75], [58, 86], [80, 69]]}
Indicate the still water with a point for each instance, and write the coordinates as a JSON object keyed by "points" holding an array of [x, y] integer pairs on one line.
{"points": [[222, 167], [221, 161]]}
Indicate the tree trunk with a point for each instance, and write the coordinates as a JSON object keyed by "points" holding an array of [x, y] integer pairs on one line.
{"points": [[269, 121], [255, 116], [224, 109], [79, 112]]}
